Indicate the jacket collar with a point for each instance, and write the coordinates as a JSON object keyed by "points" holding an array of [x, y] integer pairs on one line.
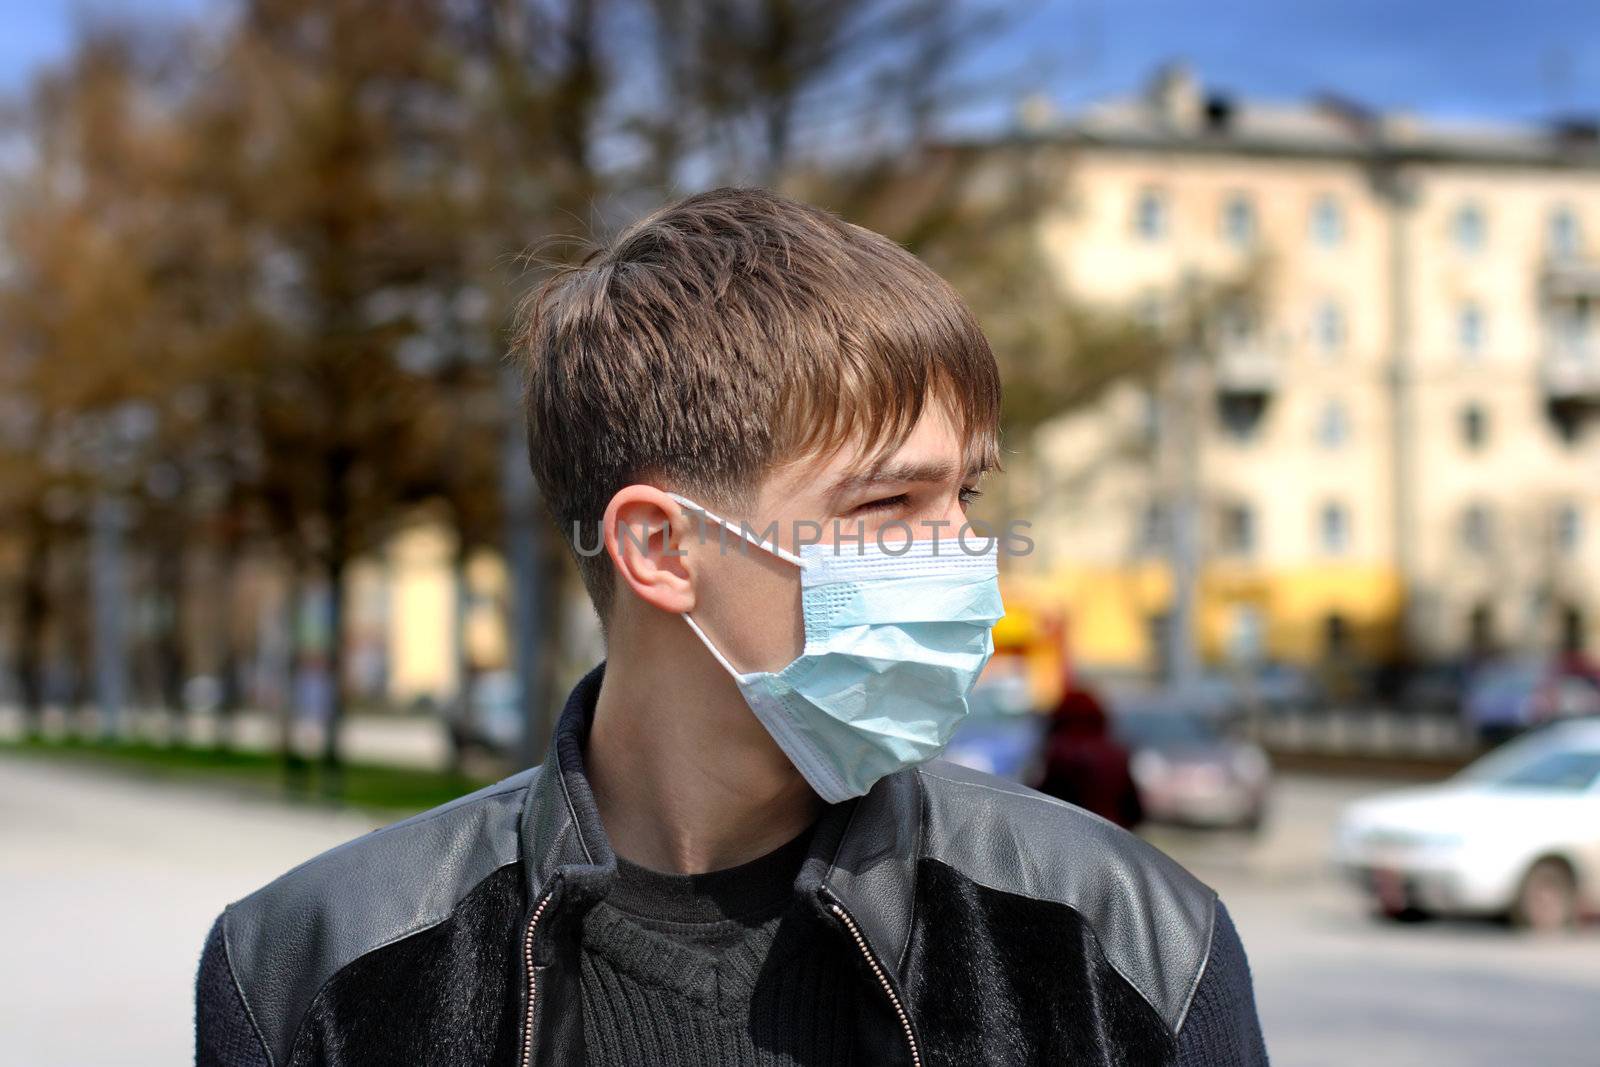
{"points": [[863, 855]]}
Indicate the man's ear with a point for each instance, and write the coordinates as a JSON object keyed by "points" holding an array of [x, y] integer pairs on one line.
{"points": [[645, 531]]}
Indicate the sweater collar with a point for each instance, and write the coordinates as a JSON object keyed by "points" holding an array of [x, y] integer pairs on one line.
{"points": [[862, 854]]}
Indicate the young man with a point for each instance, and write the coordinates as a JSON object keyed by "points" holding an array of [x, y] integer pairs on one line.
{"points": [[738, 852]]}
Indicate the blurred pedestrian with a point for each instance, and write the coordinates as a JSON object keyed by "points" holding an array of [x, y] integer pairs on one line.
{"points": [[1085, 765]]}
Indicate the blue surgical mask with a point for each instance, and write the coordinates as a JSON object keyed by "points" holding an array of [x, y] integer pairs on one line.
{"points": [[894, 641]]}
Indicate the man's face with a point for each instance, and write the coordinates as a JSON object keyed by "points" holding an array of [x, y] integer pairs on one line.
{"points": [[749, 600]]}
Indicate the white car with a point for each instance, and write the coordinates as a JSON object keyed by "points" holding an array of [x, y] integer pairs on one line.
{"points": [[1516, 833]]}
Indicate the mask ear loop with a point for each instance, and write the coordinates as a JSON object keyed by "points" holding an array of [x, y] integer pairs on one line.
{"points": [[782, 554], [740, 531], [711, 648]]}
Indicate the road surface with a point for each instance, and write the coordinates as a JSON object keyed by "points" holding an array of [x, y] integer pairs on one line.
{"points": [[1336, 986]]}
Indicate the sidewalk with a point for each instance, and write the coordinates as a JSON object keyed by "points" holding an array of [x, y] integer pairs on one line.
{"points": [[109, 887]]}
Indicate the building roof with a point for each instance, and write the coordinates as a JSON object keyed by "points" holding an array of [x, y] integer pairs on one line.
{"points": [[1174, 112]]}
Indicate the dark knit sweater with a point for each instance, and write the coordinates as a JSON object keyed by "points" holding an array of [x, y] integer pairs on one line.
{"points": [[718, 970]]}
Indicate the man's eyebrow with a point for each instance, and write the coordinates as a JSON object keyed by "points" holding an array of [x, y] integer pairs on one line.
{"points": [[896, 473]]}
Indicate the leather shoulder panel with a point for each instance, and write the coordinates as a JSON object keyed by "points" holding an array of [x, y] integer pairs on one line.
{"points": [[1153, 918], [292, 935]]}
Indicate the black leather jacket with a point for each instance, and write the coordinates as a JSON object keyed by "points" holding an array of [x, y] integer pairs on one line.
{"points": [[992, 925]]}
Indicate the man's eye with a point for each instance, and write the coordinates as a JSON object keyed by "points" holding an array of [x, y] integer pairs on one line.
{"points": [[888, 503], [968, 494]]}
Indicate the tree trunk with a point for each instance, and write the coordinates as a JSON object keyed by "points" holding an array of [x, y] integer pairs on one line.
{"points": [[332, 764], [230, 684], [294, 765], [35, 612], [171, 647], [73, 621], [337, 514], [464, 669]]}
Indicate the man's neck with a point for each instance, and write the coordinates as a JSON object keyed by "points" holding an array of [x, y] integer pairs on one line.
{"points": [[686, 778]]}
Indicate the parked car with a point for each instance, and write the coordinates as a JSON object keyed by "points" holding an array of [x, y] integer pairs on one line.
{"points": [[1189, 769], [1505, 698], [1516, 833]]}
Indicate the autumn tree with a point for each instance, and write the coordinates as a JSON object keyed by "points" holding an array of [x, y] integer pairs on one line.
{"points": [[305, 257], [89, 315]]}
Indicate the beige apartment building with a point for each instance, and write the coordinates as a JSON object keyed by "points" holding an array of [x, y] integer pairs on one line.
{"points": [[1389, 428]]}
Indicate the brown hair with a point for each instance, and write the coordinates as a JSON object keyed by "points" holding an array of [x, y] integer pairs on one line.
{"points": [[726, 333]]}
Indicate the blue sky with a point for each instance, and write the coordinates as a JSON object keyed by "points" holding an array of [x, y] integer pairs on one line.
{"points": [[1493, 58], [35, 32], [1502, 58]]}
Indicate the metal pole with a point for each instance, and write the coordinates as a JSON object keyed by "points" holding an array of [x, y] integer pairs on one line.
{"points": [[1183, 658], [1396, 193], [524, 561]]}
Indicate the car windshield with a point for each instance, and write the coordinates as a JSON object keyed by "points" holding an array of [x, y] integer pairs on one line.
{"points": [[1158, 729], [1564, 771], [1542, 760]]}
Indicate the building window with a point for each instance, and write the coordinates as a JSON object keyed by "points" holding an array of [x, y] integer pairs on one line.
{"points": [[1477, 529], [1571, 328], [1150, 215], [1329, 327], [1566, 418], [1469, 228], [1240, 414], [1327, 222], [1239, 221], [1333, 425], [1238, 533], [1480, 629], [1566, 233], [1335, 636], [1569, 529], [1247, 633], [1474, 427], [1574, 630], [1471, 328], [1333, 529]]}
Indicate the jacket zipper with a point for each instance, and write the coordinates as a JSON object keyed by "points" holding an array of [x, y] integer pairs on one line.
{"points": [[527, 966], [883, 980]]}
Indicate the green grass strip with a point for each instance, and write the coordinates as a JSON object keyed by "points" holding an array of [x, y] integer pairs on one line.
{"points": [[395, 791]]}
